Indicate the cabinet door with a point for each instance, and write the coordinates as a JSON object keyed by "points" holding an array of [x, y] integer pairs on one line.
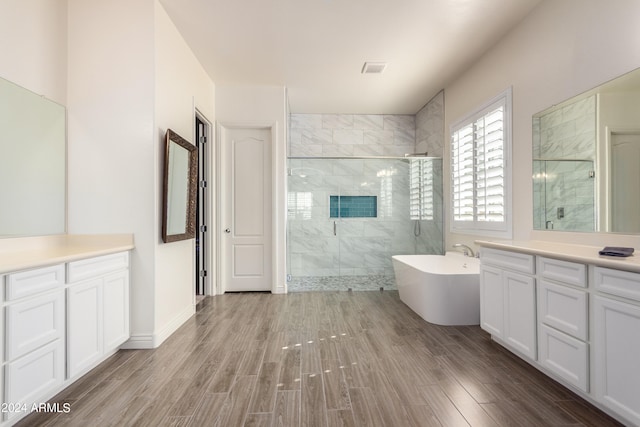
{"points": [[84, 326], [565, 356], [491, 300], [520, 317], [116, 309], [33, 322], [617, 356], [33, 378]]}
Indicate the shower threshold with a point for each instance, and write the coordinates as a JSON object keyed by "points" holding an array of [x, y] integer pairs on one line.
{"points": [[341, 283]]}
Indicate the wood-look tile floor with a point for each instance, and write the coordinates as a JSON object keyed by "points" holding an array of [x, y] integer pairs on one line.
{"points": [[318, 359]]}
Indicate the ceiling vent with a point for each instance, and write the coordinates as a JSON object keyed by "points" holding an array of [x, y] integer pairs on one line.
{"points": [[373, 67]]}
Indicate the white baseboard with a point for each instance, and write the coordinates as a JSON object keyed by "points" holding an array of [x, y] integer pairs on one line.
{"points": [[173, 325], [138, 342], [148, 341]]}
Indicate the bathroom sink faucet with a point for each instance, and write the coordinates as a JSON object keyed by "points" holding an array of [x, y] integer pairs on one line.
{"points": [[467, 251]]}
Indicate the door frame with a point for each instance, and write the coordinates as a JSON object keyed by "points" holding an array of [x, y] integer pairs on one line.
{"points": [[208, 244], [604, 174], [209, 150], [221, 194]]}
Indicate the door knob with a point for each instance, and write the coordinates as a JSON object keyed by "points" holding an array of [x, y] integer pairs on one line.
{"points": [[228, 230]]}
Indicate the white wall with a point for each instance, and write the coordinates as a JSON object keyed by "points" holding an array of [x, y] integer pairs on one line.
{"points": [[112, 154], [181, 86], [263, 105], [128, 83], [560, 50], [33, 46], [125, 75]]}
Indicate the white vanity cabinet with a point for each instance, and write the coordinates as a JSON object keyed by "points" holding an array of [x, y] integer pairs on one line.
{"points": [[65, 308], [616, 341], [98, 310], [34, 332], [507, 299], [587, 316], [563, 346]]}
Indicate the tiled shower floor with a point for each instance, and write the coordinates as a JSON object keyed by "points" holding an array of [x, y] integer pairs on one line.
{"points": [[341, 283]]}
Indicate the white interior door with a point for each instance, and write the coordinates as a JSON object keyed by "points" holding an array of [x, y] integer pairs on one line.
{"points": [[246, 213], [625, 182]]}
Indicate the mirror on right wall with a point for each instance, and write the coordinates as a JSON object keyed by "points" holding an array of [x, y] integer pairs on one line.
{"points": [[586, 160]]}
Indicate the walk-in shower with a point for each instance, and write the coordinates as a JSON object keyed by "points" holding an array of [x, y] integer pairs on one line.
{"points": [[348, 216]]}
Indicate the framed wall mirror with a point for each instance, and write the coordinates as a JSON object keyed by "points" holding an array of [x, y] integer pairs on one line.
{"points": [[179, 188], [586, 152]]}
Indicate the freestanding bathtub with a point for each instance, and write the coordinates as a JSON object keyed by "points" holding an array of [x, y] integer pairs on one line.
{"points": [[442, 289]]}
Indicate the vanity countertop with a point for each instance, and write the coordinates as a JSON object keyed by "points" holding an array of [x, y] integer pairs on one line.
{"points": [[22, 253], [569, 252]]}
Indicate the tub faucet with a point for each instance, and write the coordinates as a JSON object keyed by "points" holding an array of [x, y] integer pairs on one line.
{"points": [[467, 251]]}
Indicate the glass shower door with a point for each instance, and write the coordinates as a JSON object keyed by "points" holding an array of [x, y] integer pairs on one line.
{"points": [[347, 217], [313, 249], [373, 221]]}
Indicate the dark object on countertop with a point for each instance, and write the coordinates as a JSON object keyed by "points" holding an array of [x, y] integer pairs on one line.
{"points": [[616, 251]]}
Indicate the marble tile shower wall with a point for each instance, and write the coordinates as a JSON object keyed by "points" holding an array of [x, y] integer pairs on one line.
{"points": [[347, 135], [562, 140], [430, 127], [359, 255], [567, 133]]}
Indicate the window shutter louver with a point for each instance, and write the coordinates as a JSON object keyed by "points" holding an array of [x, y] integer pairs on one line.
{"points": [[479, 147], [414, 190], [427, 191], [462, 156], [421, 190], [490, 166]]}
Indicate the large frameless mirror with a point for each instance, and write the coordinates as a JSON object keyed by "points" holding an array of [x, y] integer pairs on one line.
{"points": [[586, 152], [32, 163], [180, 188]]}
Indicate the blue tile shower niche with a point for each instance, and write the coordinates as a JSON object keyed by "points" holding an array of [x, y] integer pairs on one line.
{"points": [[353, 206]]}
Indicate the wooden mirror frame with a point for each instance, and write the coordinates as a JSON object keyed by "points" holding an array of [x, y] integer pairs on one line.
{"points": [[192, 189]]}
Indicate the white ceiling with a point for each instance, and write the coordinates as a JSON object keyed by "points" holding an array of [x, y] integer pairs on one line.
{"points": [[316, 48]]}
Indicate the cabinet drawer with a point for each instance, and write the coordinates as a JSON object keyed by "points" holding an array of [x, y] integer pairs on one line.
{"points": [[565, 356], [35, 377], [31, 282], [512, 260], [563, 308], [563, 271], [98, 266], [616, 282], [34, 322]]}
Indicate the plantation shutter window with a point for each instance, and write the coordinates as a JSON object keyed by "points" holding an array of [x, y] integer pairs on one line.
{"points": [[480, 170], [462, 167], [421, 197]]}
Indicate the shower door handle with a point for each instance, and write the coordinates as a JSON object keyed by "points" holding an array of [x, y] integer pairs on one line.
{"points": [[335, 227]]}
